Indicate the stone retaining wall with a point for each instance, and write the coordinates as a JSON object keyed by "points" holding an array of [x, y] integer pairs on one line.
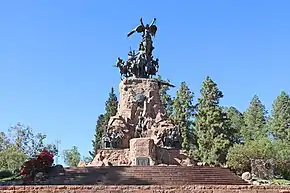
{"points": [[145, 189]]}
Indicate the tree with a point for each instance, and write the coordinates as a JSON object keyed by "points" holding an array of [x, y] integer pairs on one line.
{"points": [[236, 122], [4, 141], [72, 156], [166, 99], [111, 108], [211, 125], [239, 156], [255, 120], [280, 117], [31, 144], [183, 111], [282, 157], [19, 144], [11, 159], [97, 142]]}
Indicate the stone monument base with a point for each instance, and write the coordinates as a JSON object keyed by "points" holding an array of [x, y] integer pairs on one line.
{"points": [[142, 151]]}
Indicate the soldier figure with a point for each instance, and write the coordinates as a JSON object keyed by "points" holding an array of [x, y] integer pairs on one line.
{"points": [[114, 139], [139, 127], [106, 141], [176, 139]]}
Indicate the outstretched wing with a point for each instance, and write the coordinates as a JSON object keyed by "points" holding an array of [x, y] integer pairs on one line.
{"points": [[130, 33], [153, 29], [138, 29]]}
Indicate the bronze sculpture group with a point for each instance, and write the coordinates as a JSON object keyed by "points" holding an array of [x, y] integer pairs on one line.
{"points": [[112, 139], [141, 64]]}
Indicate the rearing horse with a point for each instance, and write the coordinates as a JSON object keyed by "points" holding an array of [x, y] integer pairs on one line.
{"points": [[123, 68]]}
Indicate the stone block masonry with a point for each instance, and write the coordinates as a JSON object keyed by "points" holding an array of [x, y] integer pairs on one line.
{"points": [[144, 189], [142, 147]]}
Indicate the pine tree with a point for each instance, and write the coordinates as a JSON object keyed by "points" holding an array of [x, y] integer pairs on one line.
{"points": [[183, 111], [280, 117], [100, 129], [166, 99], [236, 121], [111, 107], [211, 125], [255, 120]]}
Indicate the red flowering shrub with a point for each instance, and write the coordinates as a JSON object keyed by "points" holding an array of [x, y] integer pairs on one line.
{"points": [[41, 163]]}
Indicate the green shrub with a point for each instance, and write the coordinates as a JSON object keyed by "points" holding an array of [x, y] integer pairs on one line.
{"points": [[239, 155], [237, 159], [5, 174], [282, 158], [11, 159]]}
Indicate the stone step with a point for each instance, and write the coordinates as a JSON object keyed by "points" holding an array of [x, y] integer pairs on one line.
{"points": [[147, 170], [196, 176], [152, 175]]}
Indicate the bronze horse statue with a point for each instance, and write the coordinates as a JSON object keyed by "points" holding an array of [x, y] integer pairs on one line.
{"points": [[123, 67]]}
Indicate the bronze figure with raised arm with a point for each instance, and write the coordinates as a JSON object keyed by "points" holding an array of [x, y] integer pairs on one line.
{"points": [[152, 28]]}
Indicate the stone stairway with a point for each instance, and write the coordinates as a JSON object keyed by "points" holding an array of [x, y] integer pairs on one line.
{"points": [[147, 175]]}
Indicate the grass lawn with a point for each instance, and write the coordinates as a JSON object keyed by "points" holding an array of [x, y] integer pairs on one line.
{"points": [[281, 181], [11, 178]]}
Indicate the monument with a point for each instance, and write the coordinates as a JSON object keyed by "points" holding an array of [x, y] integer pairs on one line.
{"points": [[141, 125], [138, 136]]}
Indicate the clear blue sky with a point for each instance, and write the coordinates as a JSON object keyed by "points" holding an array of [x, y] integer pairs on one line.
{"points": [[56, 57]]}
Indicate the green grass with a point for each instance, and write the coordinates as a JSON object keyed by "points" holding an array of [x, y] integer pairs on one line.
{"points": [[281, 181], [12, 178]]}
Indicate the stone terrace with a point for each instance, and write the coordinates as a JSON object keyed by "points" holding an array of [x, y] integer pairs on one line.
{"points": [[149, 175], [145, 189], [145, 175]]}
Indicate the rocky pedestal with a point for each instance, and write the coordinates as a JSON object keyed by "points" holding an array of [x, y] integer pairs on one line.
{"points": [[140, 133], [141, 113]]}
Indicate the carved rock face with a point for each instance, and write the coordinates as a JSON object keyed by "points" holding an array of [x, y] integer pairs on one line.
{"points": [[140, 107]]}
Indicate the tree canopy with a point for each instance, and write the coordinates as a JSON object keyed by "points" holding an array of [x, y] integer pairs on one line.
{"points": [[19, 144]]}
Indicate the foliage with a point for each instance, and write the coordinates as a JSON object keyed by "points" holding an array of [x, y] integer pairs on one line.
{"points": [[211, 125], [6, 174], [255, 120], [236, 122], [12, 178], [72, 156], [111, 107], [11, 158], [284, 168], [282, 150], [40, 163], [19, 144], [23, 139], [282, 157], [182, 113], [4, 141], [166, 99], [239, 156], [280, 181], [280, 117], [97, 142]]}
